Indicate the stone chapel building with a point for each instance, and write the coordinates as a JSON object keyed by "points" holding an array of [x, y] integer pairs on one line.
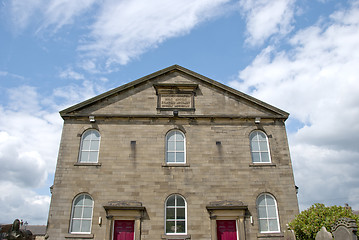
{"points": [[172, 155]]}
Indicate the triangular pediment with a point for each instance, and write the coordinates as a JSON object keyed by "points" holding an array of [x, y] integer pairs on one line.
{"points": [[174, 89]]}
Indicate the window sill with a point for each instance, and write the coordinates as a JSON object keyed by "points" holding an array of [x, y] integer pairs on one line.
{"points": [[175, 165], [87, 164], [270, 235], [262, 165], [80, 236], [176, 237]]}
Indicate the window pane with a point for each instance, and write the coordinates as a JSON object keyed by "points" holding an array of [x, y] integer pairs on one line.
{"points": [[261, 136], [170, 226], [171, 146], [85, 145], [87, 212], [171, 201], [93, 156], [179, 136], [170, 213], [95, 135], [79, 200], [180, 157], [263, 146], [181, 213], [270, 200], [87, 201], [255, 157], [87, 135], [75, 226], [272, 212], [86, 224], [170, 157], [262, 212], [95, 145], [253, 137], [180, 201], [179, 146], [84, 156], [254, 146], [261, 200], [273, 225], [171, 136], [77, 212], [181, 227], [263, 225], [265, 157]]}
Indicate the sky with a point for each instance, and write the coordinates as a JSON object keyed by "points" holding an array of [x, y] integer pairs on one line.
{"points": [[301, 56]]}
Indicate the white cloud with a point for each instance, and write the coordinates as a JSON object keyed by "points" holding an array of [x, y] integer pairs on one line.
{"points": [[56, 13], [69, 73], [325, 175], [29, 138], [22, 11], [317, 81], [126, 29], [265, 18], [23, 167], [30, 130], [7, 74], [119, 31], [22, 203], [73, 94]]}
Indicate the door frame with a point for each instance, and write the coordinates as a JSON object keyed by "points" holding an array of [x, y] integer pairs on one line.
{"points": [[116, 212], [228, 210]]}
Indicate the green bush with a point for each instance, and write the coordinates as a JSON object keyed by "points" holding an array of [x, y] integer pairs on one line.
{"points": [[309, 222]]}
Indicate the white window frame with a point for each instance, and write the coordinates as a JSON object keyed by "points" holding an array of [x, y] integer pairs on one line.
{"points": [[80, 160], [260, 151], [81, 218], [266, 218], [176, 151], [175, 219]]}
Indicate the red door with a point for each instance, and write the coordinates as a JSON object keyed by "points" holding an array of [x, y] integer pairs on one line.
{"points": [[124, 230], [226, 230]]}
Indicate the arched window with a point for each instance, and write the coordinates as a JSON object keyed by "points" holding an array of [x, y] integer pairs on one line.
{"points": [[90, 145], [81, 216], [176, 215], [267, 213], [175, 147], [259, 147]]}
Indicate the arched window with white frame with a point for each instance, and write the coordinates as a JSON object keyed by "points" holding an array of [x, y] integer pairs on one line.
{"points": [[81, 215], [259, 147], [175, 147], [90, 146], [267, 213], [175, 215]]}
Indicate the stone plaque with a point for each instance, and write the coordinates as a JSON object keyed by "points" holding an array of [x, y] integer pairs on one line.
{"points": [[176, 101]]}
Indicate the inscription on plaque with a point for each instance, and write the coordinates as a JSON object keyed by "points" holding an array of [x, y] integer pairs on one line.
{"points": [[176, 100]]}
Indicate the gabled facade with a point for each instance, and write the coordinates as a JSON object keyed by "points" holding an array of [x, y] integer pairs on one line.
{"points": [[172, 155]]}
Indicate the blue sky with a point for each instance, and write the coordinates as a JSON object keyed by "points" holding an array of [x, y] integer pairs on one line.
{"points": [[300, 56]]}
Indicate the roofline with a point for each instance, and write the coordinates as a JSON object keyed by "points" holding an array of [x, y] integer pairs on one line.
{"points": [[167, 70], [181, 116]]}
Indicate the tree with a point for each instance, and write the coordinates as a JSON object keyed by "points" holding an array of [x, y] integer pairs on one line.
{"points": [[309, 222]]}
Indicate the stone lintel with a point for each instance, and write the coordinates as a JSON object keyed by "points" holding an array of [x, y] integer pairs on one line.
{"points": [[124, 205], [226, 205]]}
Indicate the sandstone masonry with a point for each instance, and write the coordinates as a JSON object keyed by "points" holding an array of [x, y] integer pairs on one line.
{"points": [[138, 181]]}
